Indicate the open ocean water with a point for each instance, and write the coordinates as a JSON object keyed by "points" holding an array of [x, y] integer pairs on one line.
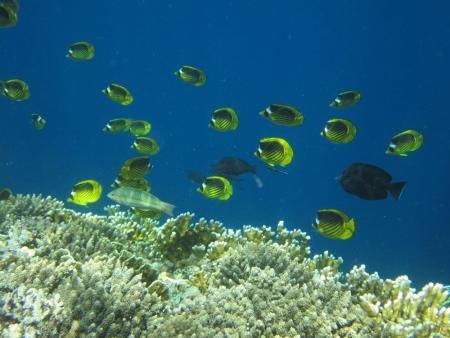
{"points": [[255, 53]]}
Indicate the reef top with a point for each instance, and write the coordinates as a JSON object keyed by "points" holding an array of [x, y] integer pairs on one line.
{"points": [[64, 273]]}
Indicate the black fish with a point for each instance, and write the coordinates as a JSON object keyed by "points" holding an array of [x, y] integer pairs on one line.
{"points": [[230, 167], [369, 182]]}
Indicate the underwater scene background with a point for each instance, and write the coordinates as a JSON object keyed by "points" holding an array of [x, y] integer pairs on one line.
{"points": [[255, 53]]}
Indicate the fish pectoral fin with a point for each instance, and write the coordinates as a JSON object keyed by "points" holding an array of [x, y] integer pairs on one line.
{"points": [[349, 229], [274, 169]]}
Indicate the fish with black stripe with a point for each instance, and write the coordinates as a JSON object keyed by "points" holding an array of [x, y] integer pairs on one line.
{"points": [[85, 192], [81, 51], [191, 75], [15, 89], [38, 121], [334, 224], [339, 131], [216, 187], [346, 99], [136, 167], [145, 145], [138, 183], [8, 13], [404, 142], [140, 127], [275, 150], [284, 115], [119, 94], [5, 194], [119, 125], [224, 119]]}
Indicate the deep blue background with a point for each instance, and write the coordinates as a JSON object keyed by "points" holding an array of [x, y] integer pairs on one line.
{"points": [[255, 53]]}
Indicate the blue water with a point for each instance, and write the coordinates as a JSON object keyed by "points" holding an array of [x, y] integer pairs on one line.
{"points": [[255, 53]]}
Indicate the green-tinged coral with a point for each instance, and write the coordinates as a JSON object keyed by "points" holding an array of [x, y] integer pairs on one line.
{"points": [[70, 274], [177, 239]]}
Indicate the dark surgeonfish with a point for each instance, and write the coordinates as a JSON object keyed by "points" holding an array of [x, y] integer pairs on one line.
{"points": [[369, 182], [232, 167]]}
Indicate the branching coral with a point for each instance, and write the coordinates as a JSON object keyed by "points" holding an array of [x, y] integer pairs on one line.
{"points": [[64, 273], [177, 238]]}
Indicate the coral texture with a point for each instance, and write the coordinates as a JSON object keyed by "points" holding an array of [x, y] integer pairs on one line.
{"points": [[70, 274]]}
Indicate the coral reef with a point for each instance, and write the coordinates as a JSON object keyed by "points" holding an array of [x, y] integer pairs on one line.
{"points": [[70, 274]]}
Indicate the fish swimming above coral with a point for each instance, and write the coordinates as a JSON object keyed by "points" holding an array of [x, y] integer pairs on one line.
{"points": [[334, 224], [339, 131], [81, 51], [191, 75], [119, 125], [135, 198], [140, 127], [231, 167], [15, 89], [138, 183], [404, 142], [8, 13], [346, 99], [136, 167], [145, 145], [216, 187], [5, 194], [224, 119], [283, 115], [118, 93], [369, 182], [37, 121], [275, 151], [85, 192]]}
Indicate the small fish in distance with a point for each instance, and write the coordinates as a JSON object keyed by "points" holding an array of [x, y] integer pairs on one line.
{"points": [[191, 75], [81, 51], [37, 121], [119, 125], [15, 89], [118, 93], [346, 99]]}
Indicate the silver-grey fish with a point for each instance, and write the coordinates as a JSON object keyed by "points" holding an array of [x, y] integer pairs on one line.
{"points": [[135, 198]]}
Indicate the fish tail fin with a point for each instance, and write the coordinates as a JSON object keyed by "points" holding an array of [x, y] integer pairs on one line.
{"points": [[167, 208], [259, 183], [2, 88], [349, 229], [396, 189]]}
